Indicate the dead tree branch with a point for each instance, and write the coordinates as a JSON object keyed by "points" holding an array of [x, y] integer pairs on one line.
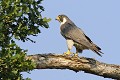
{"points": [[88, 65]]}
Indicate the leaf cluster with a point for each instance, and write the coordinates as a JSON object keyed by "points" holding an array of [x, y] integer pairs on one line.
{"points": [[13, 62], [19, 19]]}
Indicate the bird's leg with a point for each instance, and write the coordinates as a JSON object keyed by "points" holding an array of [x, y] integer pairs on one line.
{"points": [[76, 54], [70, 43], [68, 52]]}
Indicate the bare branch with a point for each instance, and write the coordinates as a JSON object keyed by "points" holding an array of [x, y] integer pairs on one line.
{"points": [[88, 65]]}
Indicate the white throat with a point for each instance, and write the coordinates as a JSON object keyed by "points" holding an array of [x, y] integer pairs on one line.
{"points": [[64, 20]]}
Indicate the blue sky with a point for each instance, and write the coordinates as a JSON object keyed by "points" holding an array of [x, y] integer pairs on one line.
{"points": [[99, 19]]}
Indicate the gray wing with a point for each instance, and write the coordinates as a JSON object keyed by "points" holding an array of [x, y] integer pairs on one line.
{"points": [[70, 31]]}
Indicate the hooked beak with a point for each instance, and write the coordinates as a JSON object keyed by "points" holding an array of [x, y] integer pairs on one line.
{"points": [[57, 18]]}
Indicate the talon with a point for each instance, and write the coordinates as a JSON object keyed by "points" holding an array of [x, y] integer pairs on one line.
{"points": [[75, 54], [67, 53]]}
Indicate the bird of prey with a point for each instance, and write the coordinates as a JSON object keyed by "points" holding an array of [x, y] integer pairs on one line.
{"points": [[75, 37]]}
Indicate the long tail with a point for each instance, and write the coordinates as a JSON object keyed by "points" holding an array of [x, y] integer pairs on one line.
{"points": [[97, 49]]}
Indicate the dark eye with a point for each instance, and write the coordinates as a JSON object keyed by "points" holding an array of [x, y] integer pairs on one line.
{"points": [[61, 18]]}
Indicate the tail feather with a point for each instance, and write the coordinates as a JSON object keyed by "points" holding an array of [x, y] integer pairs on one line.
{"points": [[97, 49], [98, 52]]}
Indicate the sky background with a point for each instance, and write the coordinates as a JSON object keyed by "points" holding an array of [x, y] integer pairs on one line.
{"points": [[99, 19]]}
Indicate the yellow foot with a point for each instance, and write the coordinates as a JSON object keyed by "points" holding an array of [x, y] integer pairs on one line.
{"points": [[67, 53], [75, 54]]}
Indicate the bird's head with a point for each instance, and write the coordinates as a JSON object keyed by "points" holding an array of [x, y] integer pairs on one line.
{"points": [[62, 18]]}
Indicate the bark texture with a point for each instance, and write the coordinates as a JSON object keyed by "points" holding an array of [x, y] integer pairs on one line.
{"points": [[88, 65]]}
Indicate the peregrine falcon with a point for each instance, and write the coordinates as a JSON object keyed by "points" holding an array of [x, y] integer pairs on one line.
{"points": [[75, 37]]}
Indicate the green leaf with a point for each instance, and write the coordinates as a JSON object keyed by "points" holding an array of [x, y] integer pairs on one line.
{"points": [[19, 19], [47, 20], [19, 14]]}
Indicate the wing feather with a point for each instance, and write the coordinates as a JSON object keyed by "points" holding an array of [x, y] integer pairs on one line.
{"points": [[71, 31], [74, 33]]}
